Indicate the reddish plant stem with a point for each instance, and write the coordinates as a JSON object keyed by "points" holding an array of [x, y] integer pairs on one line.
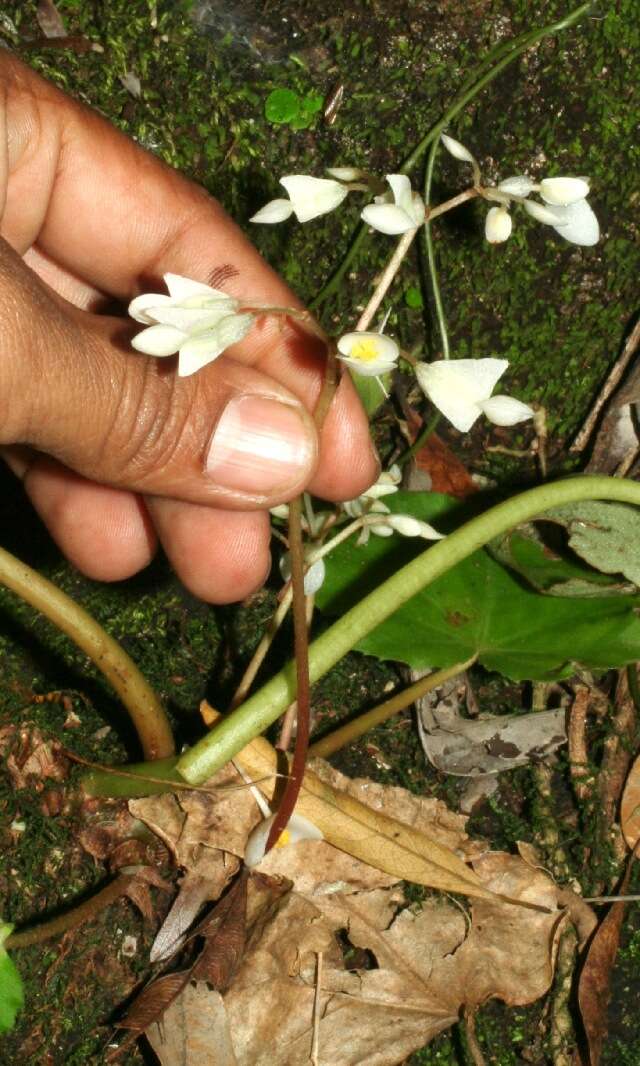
{"points": [[300, 630]]}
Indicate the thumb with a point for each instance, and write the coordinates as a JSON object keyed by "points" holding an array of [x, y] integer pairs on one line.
{"points": [[71, 386]]}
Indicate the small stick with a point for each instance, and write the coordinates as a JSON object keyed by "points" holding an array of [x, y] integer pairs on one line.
{"points": [[315, 1044], [615, 374], [582, 780], [472, 1039]]}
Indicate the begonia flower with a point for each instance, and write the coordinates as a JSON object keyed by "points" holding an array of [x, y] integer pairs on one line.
{"points": [[314, 574], [308, 198], [406, 212], [195, 320], [369, 354], [298, 828], [498, 225], [461, 390]]}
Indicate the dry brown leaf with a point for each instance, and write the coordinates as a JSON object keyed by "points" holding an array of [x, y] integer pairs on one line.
{"points": [[595, 976], [49, 19], [630, 807], [224, 933], [194, 1031], [430, 964], [153, 1001], [370, 835]]}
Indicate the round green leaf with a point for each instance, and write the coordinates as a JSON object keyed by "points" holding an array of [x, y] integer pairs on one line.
{"points": [[282, 106]]}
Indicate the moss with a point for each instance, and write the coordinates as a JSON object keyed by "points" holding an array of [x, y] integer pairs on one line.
{"points": [[557, 313]]}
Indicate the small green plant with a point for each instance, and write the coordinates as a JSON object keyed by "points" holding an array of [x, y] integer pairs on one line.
{"points": [[11, 994], [286, 107]]}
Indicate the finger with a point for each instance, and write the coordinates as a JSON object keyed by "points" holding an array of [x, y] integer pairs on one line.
{"points": [[220, 556], [106, 533]]}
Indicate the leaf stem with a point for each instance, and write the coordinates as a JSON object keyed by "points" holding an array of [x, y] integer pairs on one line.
{"points": [[144, 707], [84, 912], [357, 728], [227, 738]]}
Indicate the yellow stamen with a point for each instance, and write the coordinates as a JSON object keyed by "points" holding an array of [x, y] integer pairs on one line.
{"points": [[366, 350]]}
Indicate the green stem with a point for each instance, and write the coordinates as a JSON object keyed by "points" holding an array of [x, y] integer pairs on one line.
{"points": [[147, 713], [492, 65], [431, 258], [248, 721], [352, 731]]}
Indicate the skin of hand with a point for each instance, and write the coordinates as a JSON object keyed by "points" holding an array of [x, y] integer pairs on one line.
{"points": [[117, 452]]}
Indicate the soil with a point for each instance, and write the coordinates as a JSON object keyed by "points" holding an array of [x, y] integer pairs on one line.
{"points": [[558, 313]]}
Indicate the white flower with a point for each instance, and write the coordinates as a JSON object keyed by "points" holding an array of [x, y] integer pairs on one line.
{"points": [[369, 501], [498, 225], [195, 320], [518, 185], [405, 213], [298, 828], [308, 198], [369, 354], [461, 389], [345, 173], [457, 150], [314, 574], [575, 222], [563, 191], [413, 527]]}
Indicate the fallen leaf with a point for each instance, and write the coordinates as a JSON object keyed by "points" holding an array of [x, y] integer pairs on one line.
{"points": [[428, 965], [445, 470], [224, 933], [368, 834], [49, 19], [153, 1001], [490, 744], [630, 806], [595, 976]]}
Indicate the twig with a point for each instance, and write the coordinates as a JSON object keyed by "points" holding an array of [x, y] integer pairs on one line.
{"points": [[315, 1043], [562, 1035], [387, 277], [475, 1050], [582, 779], [352, 731], [72, 919], [615, 374]]}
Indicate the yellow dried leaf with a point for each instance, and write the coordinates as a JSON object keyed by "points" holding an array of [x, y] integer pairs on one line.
{"points": [[369, 835]]}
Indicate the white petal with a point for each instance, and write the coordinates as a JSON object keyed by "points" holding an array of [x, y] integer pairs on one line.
{"points": [[158, 340], [401, 189], [275, 211], [518, 185], [551, 216], [458, 386], [387, 218], [180, 287], [312, 197], [380, 531], [197, 351], [564, 191], [298, 828], [505, 411], [374, 369], [457, 150], [281, 511], [344, 173], [579, 225], [350, 343], [314, 577], [192, 319], [377, 491], [138, 308], [409, 526], [498, 225]]}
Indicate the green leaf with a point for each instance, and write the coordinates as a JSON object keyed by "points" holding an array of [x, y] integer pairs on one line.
{"points": [[371, 395], [11, 994], [478, 607], [282, 106], [605, 535], [309, 107], [413, 298], [548, 568]]}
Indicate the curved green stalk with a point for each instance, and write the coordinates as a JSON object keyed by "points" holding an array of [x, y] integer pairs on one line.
{"points": [[492, 65], [431, 258], [147, 713], [231, 735]]}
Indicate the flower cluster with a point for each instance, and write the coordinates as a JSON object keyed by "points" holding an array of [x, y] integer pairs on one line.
{"points": [[381, 521], [194, 320], [565, 206]]}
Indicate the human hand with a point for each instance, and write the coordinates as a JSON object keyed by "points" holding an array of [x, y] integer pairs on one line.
{"points": [[111, 445]]}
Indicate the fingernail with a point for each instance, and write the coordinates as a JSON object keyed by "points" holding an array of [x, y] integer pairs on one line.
{"points": [[260, 446]]}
